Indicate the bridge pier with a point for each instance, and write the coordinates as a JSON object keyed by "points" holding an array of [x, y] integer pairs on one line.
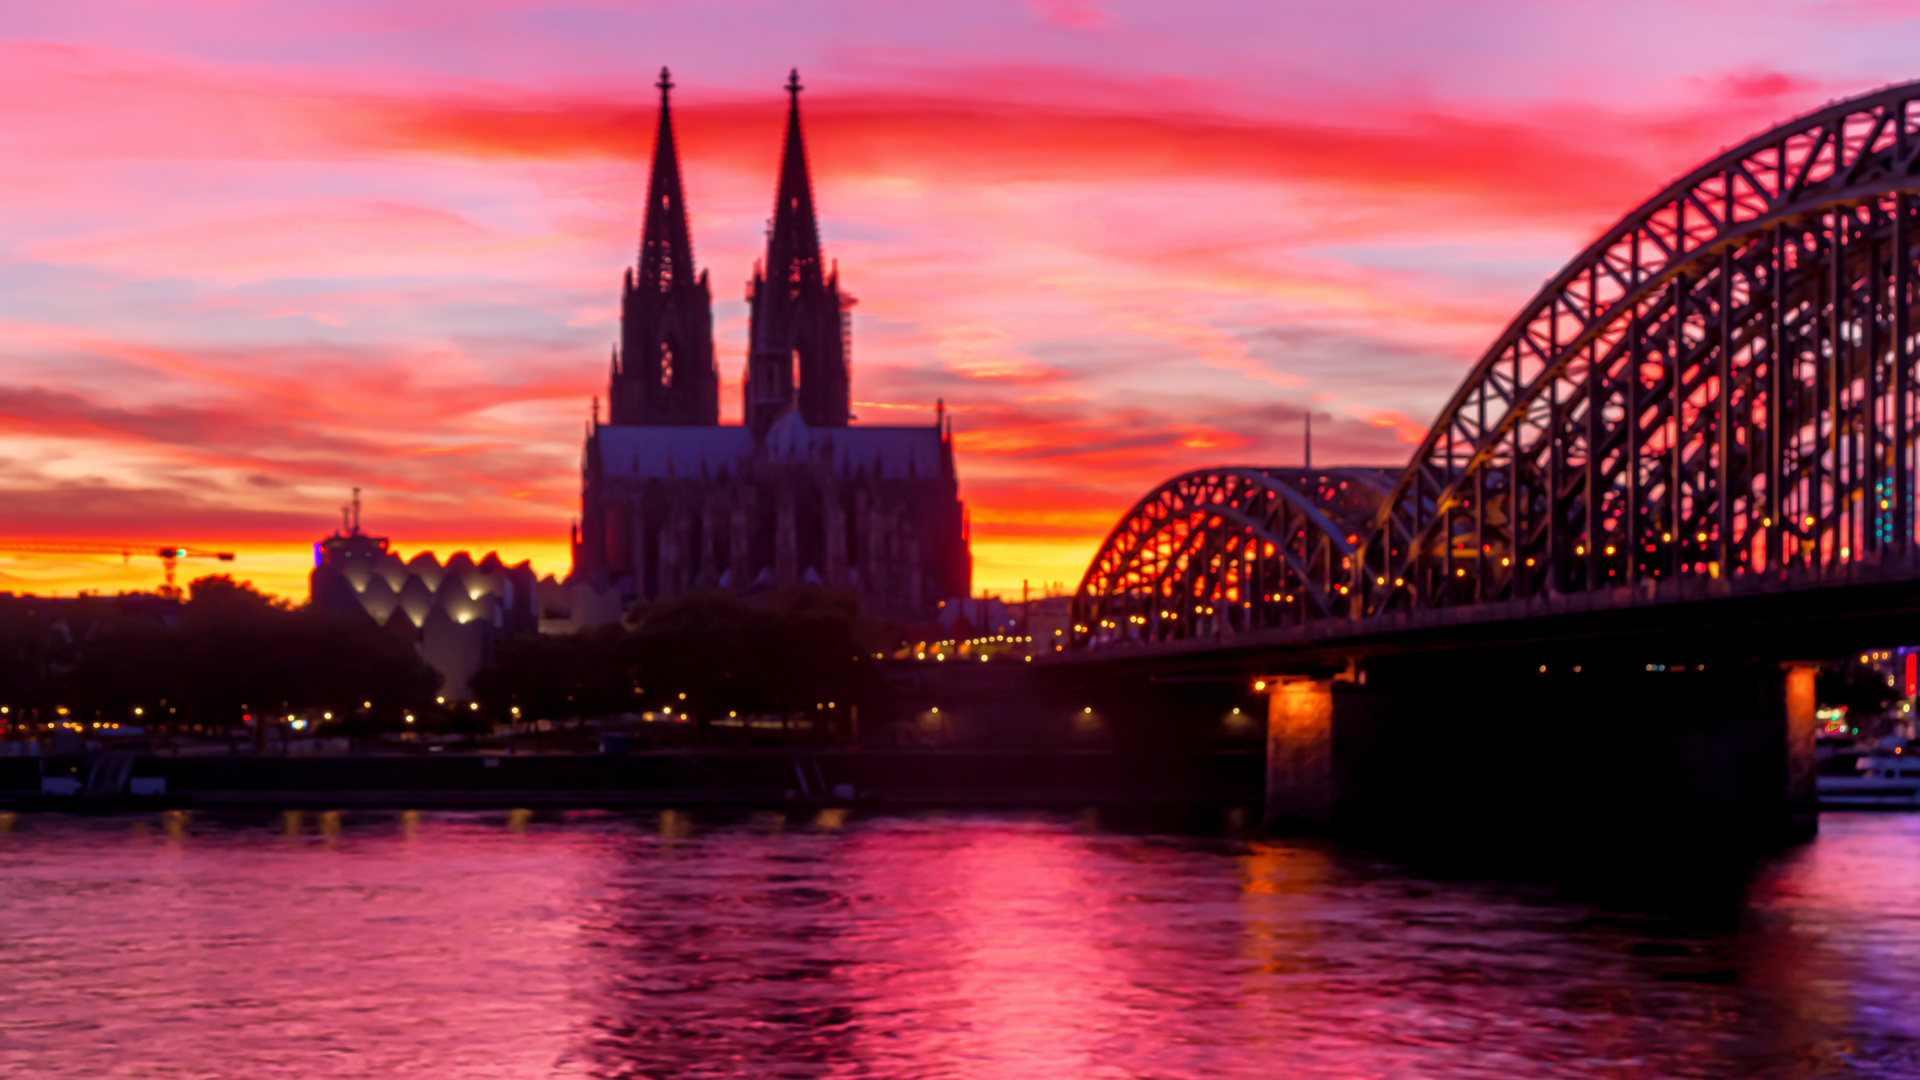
{"points": [[1715, 759], [1803, 769], [1300, 755]]}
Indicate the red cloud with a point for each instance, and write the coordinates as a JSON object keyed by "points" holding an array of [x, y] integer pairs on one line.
{"points": [[1109, 281], [1543, 160]]}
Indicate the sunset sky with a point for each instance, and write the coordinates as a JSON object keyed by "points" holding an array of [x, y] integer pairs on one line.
{"points": [[255, 254]]}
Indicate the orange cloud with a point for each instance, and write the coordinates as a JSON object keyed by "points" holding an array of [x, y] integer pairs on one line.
{"points": [[237, 290]]}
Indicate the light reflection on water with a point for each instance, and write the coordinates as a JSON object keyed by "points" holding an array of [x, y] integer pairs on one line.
{"points": [[457, 946]]}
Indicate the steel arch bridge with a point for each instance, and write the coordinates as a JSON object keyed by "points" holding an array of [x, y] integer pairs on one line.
{"points": [[1222, 550], [1717, 394]]}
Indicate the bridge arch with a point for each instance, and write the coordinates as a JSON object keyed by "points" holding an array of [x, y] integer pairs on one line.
{"points": [[1721, 386], [1218, 551]]}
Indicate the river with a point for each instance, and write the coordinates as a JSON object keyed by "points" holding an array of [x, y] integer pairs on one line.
{"points": [[453, 946]]}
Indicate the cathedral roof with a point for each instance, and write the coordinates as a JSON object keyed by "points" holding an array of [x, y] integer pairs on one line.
{"points": [[648, 451], [790, 437], [896, 453], [644, 452]]}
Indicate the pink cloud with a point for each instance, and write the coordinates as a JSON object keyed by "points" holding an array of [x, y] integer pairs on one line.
{"points": [[239, 288], [1079, 14]]}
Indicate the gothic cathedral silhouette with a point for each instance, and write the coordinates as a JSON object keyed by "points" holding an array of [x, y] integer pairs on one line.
{"points": [[672, 501]]}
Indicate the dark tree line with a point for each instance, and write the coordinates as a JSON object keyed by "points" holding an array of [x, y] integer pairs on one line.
{"points": [[227, 651], [787, 652]]}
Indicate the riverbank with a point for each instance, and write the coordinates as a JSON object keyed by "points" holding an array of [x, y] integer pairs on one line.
{"points": [[661, 778]]}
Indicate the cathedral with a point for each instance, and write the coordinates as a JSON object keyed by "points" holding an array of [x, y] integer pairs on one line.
{"points": [[673, 501]]}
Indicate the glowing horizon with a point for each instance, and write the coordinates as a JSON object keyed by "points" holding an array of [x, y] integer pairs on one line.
{"points": [[258, 254]]}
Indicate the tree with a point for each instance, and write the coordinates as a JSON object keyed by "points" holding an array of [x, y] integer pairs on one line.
{"points": [[783, 653], [553, 677], [227, 650]]}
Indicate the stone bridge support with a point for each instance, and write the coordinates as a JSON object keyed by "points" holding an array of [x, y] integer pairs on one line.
{"points": [[1300, 753], [1576, 753]]}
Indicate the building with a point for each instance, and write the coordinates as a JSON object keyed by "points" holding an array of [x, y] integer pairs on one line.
{"points": [[672, 501], [452, 613], [1046, 622]]}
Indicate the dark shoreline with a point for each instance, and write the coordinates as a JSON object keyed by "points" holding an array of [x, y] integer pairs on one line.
{"points": [[907, 778]]}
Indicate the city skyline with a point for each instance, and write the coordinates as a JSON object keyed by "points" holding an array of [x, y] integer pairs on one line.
{"points": [[260, 254]]}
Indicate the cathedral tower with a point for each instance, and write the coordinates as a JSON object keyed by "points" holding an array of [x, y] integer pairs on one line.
{"points": [[664, 372], [799, 315], [672, 502]]}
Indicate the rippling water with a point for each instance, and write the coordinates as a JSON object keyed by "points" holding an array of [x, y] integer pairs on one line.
{"points": [[456, 946]]}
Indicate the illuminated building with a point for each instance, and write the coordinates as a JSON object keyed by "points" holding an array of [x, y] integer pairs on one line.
{"points": [[452, 613], [672, 501]]}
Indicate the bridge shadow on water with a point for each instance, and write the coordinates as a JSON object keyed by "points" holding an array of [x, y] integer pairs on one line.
{"points": [[1689, 878]]}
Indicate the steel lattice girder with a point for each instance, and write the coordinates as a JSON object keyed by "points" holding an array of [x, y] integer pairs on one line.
{"points": [[1721, 384], [1220, 550], [1633, 421]]}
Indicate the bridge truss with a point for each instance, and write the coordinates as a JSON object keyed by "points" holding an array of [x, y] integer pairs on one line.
{"points": [[1218, 551], [1721, 386]]}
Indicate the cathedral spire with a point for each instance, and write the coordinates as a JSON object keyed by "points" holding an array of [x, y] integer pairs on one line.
{"points": [[665, 372], [666, 243], [797, 325], [793, 249]]}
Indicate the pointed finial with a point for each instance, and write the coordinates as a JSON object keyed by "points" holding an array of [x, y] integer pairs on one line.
{"points": [[665, 84], [793, 86]]}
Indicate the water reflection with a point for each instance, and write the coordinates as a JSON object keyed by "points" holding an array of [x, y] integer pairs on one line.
{"points": [[997, 933], [447, 945], [675, 825]]}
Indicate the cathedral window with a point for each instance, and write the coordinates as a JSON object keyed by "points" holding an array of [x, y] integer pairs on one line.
{"points": [[665, 249]]}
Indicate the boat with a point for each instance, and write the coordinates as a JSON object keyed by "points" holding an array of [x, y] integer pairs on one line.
{"points": [[1883, 775]]}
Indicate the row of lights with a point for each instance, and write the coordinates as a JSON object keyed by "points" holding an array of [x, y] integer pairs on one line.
{"points": [[939, 647], [1504, 561]]}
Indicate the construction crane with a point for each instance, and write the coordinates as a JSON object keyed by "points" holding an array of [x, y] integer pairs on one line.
{"points": [[169, 556]]}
